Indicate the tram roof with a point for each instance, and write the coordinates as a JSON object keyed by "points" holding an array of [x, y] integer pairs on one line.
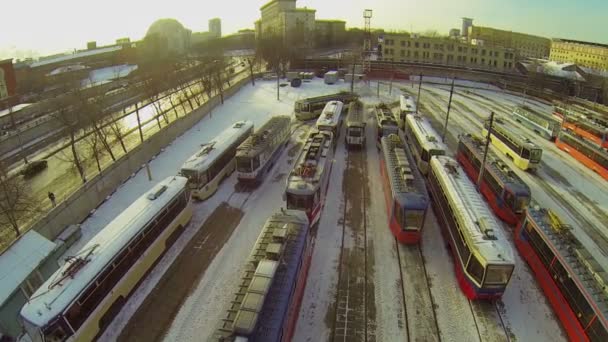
{"points": [[329, 97], [405, 179], [355, 115], [330, 116], [259, 141], [513, 132], [590, 274], [407, 103], [478, 224], [57, 293], [263, 298], [494, 164], [211, 150], [426, 135], [313, 156], [528, 113], [588, 144]]}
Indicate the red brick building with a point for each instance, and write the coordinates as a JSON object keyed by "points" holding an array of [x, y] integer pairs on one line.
{"points": [[8, 82]]}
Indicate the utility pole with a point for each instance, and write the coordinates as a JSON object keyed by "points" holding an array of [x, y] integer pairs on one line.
{"points": [[278, 79], [418, 98], [485, 153], [378, 91], [352, 81], [447, 116]]}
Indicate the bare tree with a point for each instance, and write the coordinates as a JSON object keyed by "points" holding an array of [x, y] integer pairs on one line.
{"points": [[16, 202], [92, 111], [113, 129], [95, 148], [274, 51], [65, 113]]}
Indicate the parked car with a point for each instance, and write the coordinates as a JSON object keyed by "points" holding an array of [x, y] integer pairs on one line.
{"points": [[33, 168]]}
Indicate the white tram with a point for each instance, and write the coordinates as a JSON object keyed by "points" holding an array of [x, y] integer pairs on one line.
{"points": [[483, 258], [407, 106], [258, 153], [355, 125], [81, 298], [215, 160], [423, 140], [331, 118], [307, 183]]}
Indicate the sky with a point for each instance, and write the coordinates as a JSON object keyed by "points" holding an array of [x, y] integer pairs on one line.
{"points": [[45, 27]]}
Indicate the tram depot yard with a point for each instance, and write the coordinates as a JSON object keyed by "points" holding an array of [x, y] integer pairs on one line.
{"points": [[362, 284]]}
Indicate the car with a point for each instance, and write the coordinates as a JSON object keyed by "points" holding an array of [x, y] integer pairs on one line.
{"points": [[33, 168]]}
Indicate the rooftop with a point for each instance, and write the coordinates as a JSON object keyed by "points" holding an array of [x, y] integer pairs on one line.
{"points": [[572, 41]]}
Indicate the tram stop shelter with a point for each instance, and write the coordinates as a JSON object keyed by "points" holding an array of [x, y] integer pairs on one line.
{"points": [[23, 268]]}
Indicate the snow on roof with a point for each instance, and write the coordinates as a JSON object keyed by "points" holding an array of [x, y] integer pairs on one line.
{"points": [[79, 54], [53, 296], [107, 74], [403, 175], [342, 96], [214, 148], [330, 116], [66, 68], [553, 68], [20, 260], [478, 225], [424, 132], [407, 103], [495, 165], [265, 136], [385, 116], [15, 109], [511, 132], [312, 162], [355, 115]]}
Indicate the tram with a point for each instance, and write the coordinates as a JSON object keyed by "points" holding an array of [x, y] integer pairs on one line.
{"points": [[423, 141], [407, 106], [588, 154], [355, 125], [385, 123], [506, 193], [267, 302], [215, 160], [544, 125], [574, 282], [83, 296], [310, 108], [483, 257], [520, 149], [258, 153], [331, 118], [404, 191], [307, 183], [593, 132]]}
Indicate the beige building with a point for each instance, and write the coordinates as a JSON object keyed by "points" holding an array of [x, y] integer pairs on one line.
{"points": [[404, 47], [525, 45], [591, 55], [329, 32], [281, 17]]}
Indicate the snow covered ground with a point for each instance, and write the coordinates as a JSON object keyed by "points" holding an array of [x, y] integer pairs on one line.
{"points": [[526, 313], [103, 75]]}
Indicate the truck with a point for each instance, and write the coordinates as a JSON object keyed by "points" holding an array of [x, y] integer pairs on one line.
{"points": [[331, 77]]}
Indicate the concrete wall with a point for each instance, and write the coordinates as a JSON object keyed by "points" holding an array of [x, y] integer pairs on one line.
{"points": [[79, 205]]}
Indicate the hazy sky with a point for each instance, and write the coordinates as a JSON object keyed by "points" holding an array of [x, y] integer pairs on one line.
{"points": [[52, 26]]}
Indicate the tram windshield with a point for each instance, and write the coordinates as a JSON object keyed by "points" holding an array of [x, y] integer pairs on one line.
{"points": [[355, 131], [498, 274], [413, 219], [302, 202], [302, 107], [243, 164], [194, 177], [535, 155], [521, 203]]}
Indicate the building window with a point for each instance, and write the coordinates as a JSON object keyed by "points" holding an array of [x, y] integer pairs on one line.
{"points": [[416, 44], [402, 43], [460, 49], [402, 53], [483, 52]]}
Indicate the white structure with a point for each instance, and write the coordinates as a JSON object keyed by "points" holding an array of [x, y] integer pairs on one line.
{"points": [[215, 27], [281, 17]]}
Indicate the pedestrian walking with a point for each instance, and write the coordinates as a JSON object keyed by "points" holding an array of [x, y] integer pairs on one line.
{"points": [[52, 198]]}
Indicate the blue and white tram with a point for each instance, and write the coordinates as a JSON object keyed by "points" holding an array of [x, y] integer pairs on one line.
{"points": [[267, 303], [307, 183], [423, 140], [407, 106], [258, 153], [331, 118], [483, 258], [406, 197], [80, 299], [215, 160]]}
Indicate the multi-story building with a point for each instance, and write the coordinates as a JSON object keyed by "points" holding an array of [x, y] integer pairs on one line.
{"points": [[525, 45], [403, 47], [591, 55], [8, 83], [215, 27], [329, 32], [282, 18]]}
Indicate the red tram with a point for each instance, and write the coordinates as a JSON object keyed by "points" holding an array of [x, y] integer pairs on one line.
{"points": [[593, 157]]}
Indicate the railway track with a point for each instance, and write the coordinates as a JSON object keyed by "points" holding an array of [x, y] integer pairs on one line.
{"points": [[489, 322], [354, 309]]}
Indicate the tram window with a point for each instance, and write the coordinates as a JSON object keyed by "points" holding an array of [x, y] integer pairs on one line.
{"points": [[498, 275], [521, 202], [539, 246], [437, 152], [475, 269], [256, 162], [425, 156], [535, 155], [597, 332], [525, 153], [243, 164], [354, 131], [397, 212], [414, 219], [492, 183], [573, 295]]}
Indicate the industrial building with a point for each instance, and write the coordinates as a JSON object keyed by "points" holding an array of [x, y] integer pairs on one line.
{"points": [[586, 54]]}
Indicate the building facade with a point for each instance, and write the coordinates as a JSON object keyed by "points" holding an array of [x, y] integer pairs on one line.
{"points": [[8, 82], [282, 18], [525, 45], [591, 55], [215, 27], [404, 47], [329, 32]]}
